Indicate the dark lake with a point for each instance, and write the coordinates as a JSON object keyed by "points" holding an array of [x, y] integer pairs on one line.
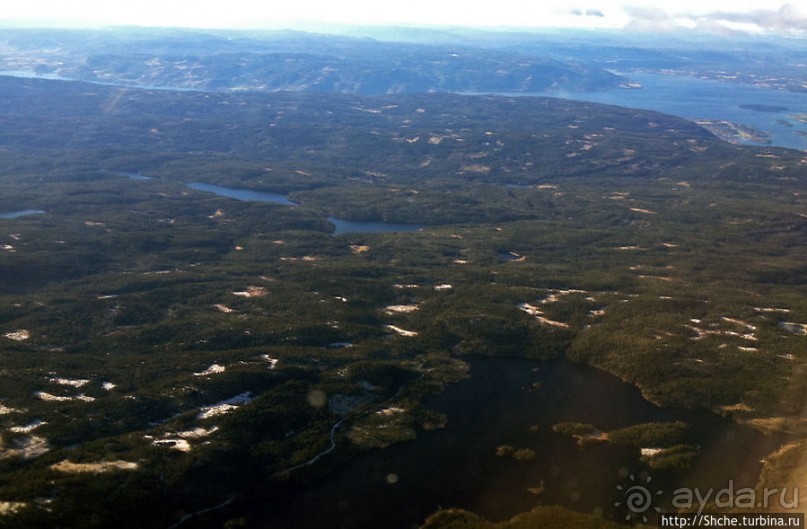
{"points": [[457, 466]]}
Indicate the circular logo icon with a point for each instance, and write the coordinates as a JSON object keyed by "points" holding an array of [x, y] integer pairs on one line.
{"points": [[637, 498]]}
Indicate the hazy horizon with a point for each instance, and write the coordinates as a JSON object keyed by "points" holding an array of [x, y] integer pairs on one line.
{"points": [[712, 16]]}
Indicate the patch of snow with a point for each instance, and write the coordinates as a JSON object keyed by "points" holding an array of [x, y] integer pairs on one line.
{"points": [[93, 468], [5, 410], [11, 507], [272, 361], [197, 433], [28, 428], [530, 309], [109, 386], [58, 398], [252, 292], [19, 335], [212, 370], [555, 295], [537, 314], [551, 323], [176, 444], [741, 323], [72, 382], [223, 308], [443, 287], [225, 406], [400, 309], [771, 309], [701, 333], [305, 259], [402, 332], [27, 448]]}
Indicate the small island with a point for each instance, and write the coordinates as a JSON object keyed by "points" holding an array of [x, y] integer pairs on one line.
{"points": [[764, 108]]}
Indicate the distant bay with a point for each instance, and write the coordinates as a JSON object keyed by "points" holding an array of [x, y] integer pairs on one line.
{"points": [[766, 109], [692, 98]]}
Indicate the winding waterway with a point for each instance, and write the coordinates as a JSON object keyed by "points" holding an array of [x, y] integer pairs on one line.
{"points": [[341, 226]]}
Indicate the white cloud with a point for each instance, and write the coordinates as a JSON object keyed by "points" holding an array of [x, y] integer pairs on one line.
{"points": [[785, 18], [559, 13]]}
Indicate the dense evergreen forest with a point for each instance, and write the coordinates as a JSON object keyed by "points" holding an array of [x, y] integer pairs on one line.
{"points": [[168, 355]]}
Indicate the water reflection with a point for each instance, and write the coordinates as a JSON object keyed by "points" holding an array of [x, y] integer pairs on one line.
{"points": [[342, 226], [246, 195], [516, 402], [21, 213]]}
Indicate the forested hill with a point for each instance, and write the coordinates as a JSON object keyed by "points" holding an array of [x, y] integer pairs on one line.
{"points": [[482, 138], [289, 61], [173, 355]]}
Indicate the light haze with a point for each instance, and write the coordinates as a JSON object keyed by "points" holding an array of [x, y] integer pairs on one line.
{"points": [[724, 16]]}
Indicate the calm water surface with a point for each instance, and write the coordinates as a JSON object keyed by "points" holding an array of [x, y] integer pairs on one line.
{"points": [[457, 466], [693, 98], [342, 226], [246, 195]]}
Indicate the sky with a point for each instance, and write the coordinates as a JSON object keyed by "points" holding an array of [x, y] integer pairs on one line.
{"points": [[722, 16]]}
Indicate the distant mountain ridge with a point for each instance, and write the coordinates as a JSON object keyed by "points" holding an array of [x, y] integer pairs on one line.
{"points": [[279, 61]]}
